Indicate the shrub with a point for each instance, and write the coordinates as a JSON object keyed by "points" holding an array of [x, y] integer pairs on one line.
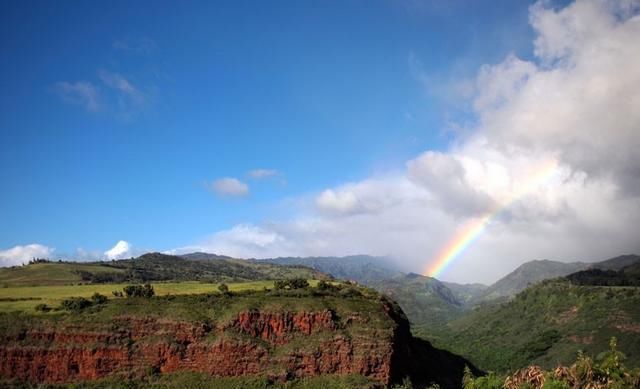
{"points": [[145, 290], [42, 308], [98, 298], [294, 283], [75, 304], [117, 293], [223, 288], [298, 283], [326, 286]]}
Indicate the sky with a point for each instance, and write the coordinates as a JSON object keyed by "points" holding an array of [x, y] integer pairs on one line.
{"points": [[261, 129]]}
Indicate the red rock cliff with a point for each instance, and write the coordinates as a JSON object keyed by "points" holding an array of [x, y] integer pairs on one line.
{"points": [[277, 344]]}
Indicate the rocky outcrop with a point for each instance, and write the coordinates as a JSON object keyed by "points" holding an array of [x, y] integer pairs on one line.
{"points": [[281, 345], [365, 336], [279, 327]]}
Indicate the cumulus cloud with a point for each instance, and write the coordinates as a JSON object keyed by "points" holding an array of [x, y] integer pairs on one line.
{"points": [[122, 249], [81, 93], [229, 187], [574, 108], [18, 255], [244, 240], [344, 201]]}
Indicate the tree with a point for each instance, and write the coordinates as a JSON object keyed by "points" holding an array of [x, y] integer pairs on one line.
{"points": [[145, 290], [98, 298], [223, 288], [294, 283], [75, 304]]}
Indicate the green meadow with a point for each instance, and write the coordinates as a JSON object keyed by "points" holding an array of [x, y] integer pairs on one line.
{"points": [[25, 298]]}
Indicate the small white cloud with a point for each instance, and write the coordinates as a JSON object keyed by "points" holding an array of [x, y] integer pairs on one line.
{"points": [[229, 186], [122, 85], [81, 93], [22, 254], [263, 173], [122, 249]]}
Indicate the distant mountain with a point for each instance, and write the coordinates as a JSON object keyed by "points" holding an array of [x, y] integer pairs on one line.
{"points": [[626, 276], [532, 272], [364, 269], [200, 256], [632, 269], [527, 274], [465, 292], [617, 263]]}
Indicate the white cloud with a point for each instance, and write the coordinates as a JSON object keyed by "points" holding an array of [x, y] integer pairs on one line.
{"points": [[263, 173], [575, 107], [22, 254], [242, 240], [121, 97], [119, 83], [343, 201], [122, 249], [229, 187], [81, 93]]}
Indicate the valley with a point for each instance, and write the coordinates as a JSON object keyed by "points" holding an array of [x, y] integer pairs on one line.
{"points": [[343, 322]]}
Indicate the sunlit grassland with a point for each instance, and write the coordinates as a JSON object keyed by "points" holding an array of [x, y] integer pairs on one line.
{"points": [[25, 298], [53, 273]]}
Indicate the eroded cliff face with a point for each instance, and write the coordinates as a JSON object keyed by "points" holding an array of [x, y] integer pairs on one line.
{"points": [[277, 344]]}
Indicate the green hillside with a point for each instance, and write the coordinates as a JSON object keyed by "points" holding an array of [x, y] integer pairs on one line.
{"points": [[52, 273], [428, 303], [150, 267], [547, 324], [362, 268], [162, 267]]}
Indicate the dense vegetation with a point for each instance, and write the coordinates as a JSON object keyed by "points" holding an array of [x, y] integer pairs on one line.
{"points": [[608, 371], [428, 303], [605, 278], [547, 324], [145, 290]]}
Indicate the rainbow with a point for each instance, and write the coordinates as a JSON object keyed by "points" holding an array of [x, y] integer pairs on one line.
{"points": [[470, 232]]}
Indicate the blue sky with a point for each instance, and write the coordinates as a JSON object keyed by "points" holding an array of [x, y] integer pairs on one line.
{"points": [[324, 92], [258, 129]]}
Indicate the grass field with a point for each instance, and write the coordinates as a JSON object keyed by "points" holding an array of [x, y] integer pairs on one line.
{"points": [[25, 298], [49, 273]]}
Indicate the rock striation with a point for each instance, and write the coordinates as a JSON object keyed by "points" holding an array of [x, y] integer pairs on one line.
{"points": [[280, 345]]}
